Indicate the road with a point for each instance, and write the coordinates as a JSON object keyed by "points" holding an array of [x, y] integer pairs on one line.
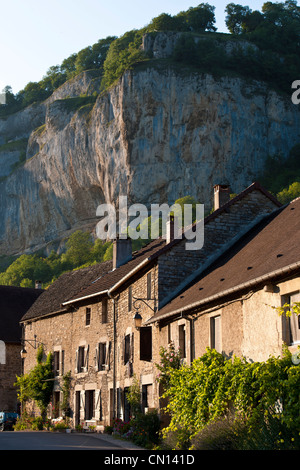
{"points": [[17, 440]]}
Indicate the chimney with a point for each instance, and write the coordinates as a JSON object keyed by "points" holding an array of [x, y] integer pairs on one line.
{"points": [[38, 284], [122, 251], [171, 228], [221, 195]]}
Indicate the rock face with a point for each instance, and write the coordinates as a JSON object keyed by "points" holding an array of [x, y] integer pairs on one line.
{"points": [[157, 135]]}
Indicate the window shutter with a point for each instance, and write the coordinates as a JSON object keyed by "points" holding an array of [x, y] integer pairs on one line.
{"points": [[76, 361], [97, 358], [86, 362], [107, 358], [132, 347]]}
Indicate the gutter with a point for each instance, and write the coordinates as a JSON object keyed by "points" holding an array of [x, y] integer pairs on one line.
{"points": [[84, 297], [114, 287], [232, 290]]}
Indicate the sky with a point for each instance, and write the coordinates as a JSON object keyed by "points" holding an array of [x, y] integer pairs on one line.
{"points": [[36, 35]]}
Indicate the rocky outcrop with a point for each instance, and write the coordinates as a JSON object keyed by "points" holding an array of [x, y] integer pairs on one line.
{"points": [[161, 45], [155, 136]]}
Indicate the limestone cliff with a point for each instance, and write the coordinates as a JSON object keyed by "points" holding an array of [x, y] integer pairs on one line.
{"points": [[157, 135]]}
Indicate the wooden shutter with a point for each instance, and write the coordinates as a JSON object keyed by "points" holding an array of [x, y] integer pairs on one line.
{"points": [[86, 359]]}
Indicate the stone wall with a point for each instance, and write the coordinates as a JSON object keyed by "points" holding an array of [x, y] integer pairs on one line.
{"points": [[68, 332], [10, 367]]}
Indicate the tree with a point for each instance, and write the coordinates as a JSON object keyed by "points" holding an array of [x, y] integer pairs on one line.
{"points": [[79, 247], [290, 193], [123, 53], [165, 22], [93, 57], [53, 79], [201, 18], [37, 385], [68, 66], [236, 16]]}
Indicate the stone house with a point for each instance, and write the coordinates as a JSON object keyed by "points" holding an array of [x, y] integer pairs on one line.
{"points": [[88, 317], [14, 303], [230, 306]]}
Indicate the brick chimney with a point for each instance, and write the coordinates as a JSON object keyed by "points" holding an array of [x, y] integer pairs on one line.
{"points": [[122, 251], [221, 195]]}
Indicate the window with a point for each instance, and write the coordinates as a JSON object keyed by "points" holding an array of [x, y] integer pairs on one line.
{"points": [[82, 359], [146, 343], [127, 348], [130, 298], [149, 286], [56, 405], [104, 311], [145, 396], [87, 316], [215, 333], [56, 363], [89, 404], [182, 340], [169, 333], [103, 356], [294, 320]]}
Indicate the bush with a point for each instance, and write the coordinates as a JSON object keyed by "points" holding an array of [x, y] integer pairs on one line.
{"points": [[143, 429], [37, 424], [61, 425], [261, 393], [220, 434]]}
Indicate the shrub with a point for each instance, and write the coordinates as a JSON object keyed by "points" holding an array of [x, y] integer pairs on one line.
{"points": [[61, 425], [37, 423], [262, 393]]}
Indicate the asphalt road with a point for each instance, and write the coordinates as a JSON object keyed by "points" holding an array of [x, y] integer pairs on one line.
{"points": [[18, 440]]}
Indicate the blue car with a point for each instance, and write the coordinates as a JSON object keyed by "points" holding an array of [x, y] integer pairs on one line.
{"points": [[7, 420]]}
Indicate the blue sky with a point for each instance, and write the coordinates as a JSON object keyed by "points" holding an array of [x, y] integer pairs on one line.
{"points": [[34, 35]]}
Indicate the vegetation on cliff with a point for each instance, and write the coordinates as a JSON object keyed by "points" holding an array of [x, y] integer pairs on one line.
{"points": [[275, 57]]}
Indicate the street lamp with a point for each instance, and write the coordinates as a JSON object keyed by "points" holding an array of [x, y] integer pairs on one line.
{"points": [[137, 317], [137, 320], [33, 343]]}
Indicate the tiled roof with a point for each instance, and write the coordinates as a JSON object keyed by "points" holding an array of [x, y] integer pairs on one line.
{"points": [[14, 302], [65, 287], [87, 282], [111, 279], [268, 250]]}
